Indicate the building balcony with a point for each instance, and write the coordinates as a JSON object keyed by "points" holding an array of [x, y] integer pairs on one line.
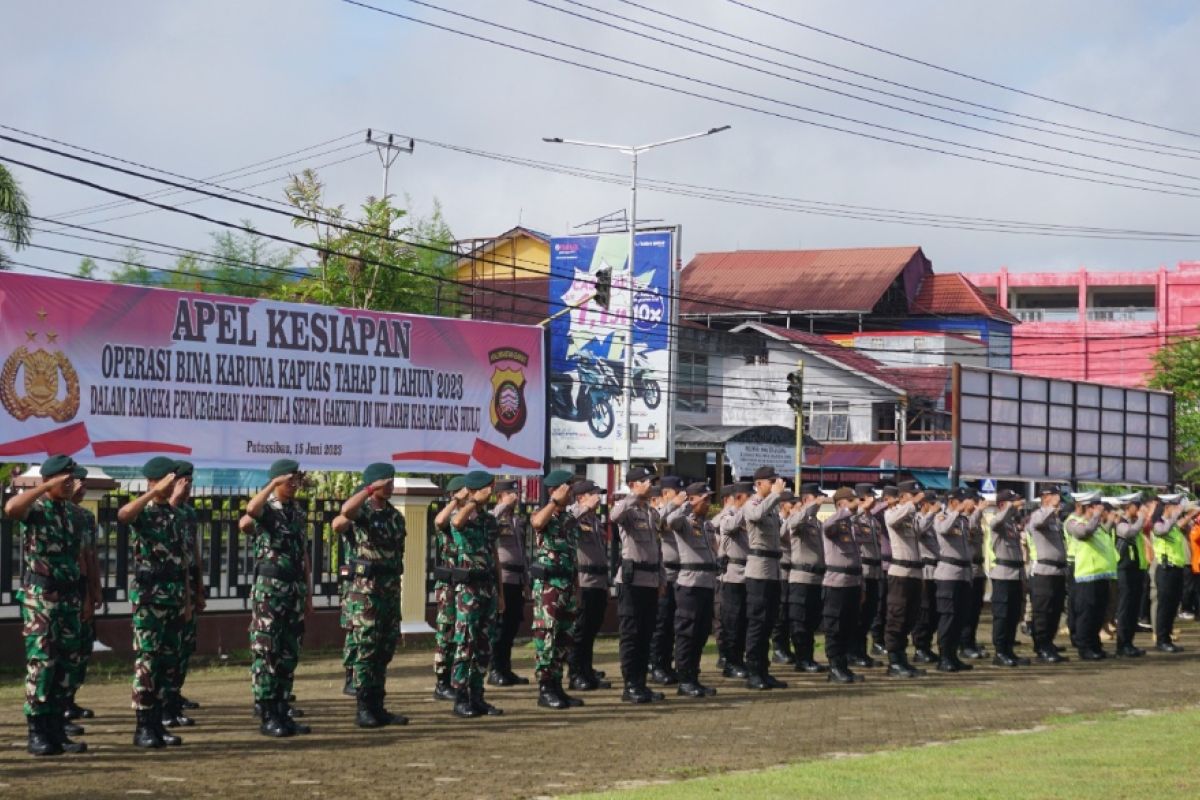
{"points": [[1126, 314], [1046, 314]]}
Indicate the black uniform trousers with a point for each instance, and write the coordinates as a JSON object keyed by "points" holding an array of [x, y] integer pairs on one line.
{"points": [[693, 624], [762, 607], [866, 616], [953, 605], [636, 606], [1047, 596], [1007, 598], [593, 603], [840, 612], [927, 619], [903, 607], [974, 610], [1069, 606], [732, 639], [1090, 601], [1131, 584], [662, 644], [510, 623], [880, 624], [1169, 582], [804, 618], [781, 634]]}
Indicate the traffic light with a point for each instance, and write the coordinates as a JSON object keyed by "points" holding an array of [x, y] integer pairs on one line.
{"points": [[795, 381], [603, 287]]}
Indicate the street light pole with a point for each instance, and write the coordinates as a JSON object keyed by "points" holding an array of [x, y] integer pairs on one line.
{"points": [[633, 151]]}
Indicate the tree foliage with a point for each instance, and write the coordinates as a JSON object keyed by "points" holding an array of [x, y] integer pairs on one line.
{"points": [[14, 213], [1177, 369]]}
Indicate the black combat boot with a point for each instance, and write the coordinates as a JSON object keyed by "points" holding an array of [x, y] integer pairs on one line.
{"points": [[443, 690], [56, 725], [41, 743], [498, 678], [75, 711], [482, 706], [757, 682], [348, 686], [1004, 660], [924, 655], [365, 717], [863, 660], [897, 667], [169, 739], [382, 714], [839, 672], [515, 679], [782, 656], [548, 696], [948, 665], [737, 671], [773, 682], [146, 733], [185, 704], [462, 704], [173, 716], [274, 723], [582, 683], [72, 728], [690, 688], [597, 677], [572, 702], [635, 694], [290, 715], [661, 676]]}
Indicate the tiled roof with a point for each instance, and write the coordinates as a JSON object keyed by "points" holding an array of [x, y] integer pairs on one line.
{"points": [[953, 295], [744, 281]]}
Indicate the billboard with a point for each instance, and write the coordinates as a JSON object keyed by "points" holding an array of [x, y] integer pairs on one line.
{"points": [[1024, 427], [587, 350], [114, 374]]}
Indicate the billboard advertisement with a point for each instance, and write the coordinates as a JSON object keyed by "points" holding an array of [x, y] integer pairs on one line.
{"points": [[587, 351], [1025, 427], [115, 374]]}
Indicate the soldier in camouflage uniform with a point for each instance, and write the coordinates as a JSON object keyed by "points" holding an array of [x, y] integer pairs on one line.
{"points": [[345, 578], [160, 595], [372, 601], [50, 596], [85, 526], [556, 535], [280, 596], [443, 591], [189, 526], [476, 578]]}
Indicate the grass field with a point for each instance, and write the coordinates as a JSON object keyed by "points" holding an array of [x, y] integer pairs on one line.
{"points": [[1106, 756]]}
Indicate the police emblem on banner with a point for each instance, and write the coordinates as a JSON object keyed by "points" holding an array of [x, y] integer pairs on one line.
{"points": [[49, 384], [508, 409]]}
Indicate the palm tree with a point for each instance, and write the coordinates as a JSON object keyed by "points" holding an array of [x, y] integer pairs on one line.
{"points": [[14, 213]]}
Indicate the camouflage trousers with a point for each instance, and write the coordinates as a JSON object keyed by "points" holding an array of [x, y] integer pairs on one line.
{"points": [[187, 646], [474, 628], [554, 611], [276, 625], [443, 627], [77, 671], [157, 638], [348, 651], [372, 608], [51, 630]]}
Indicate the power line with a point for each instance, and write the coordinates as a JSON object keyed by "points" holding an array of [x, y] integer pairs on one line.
{"points": [[957, 73]]}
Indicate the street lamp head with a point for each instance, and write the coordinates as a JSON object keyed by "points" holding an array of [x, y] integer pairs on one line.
{"points": [[718, 130], [552, 139]]}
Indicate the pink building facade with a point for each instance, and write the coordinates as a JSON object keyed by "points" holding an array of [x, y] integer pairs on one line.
{"points": [[1095, 326]]}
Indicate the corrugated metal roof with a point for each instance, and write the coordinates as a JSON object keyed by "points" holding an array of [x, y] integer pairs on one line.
{"points": [[850, 358], [953, 295], [850, 280], [930, 383]]}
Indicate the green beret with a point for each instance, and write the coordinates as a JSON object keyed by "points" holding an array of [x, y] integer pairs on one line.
{"points": [[158, 467], [57, 464], [284, 466], [456, 483], [478, 479], [557, 478], [184, 469], [79, 472], [377, 472]]}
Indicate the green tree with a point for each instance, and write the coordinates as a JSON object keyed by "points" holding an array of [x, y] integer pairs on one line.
{"points": [[14, 214], [1177, 369], [87, 268], [133, 268], [234, 256], [363, 263]]}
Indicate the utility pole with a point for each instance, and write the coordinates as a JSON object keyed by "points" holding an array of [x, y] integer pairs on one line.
{"points": [[796, 401], [633, 151], [388, 149]]}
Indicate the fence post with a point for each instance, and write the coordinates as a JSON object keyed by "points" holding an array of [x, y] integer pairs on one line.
{"points": [[412, 497]]}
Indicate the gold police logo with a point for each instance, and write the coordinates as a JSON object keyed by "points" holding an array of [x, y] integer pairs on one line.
{"points": [[43, 374], [507, 409]]}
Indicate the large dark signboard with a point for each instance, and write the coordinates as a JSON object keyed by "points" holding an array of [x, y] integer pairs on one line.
{"points": [[1022, 427]]}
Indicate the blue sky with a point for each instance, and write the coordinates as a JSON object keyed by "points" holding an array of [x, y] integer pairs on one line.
{"points": [[201, 88]]}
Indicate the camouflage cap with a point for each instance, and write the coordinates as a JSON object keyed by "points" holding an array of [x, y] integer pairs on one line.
{"points": [[57, 464], [158, 467]]}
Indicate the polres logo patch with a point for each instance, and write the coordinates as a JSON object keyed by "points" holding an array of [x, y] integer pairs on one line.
{"points": [[649, 311], [508, 408]]}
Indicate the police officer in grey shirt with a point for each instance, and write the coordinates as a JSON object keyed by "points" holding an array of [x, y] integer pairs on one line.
{"points": [[869, 532], [905, 574], [969, 647], [662, 643], [842, 584], [927, 545], [510, 549], [953, 576], [1048, 582], [733, 550], [591, 553], [696, 543], [781, 640], [803, 537], [761, 517], [639, 582], [1007, 576]]}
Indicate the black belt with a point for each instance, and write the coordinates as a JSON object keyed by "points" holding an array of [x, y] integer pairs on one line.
{"points": [[741, 562], [461, 575], [51, 585], [903, 562], [644, 566], [373, 569], [759, 553], [1045, 562], [671, 565], [1168, 565], [265, 569], [441, 573], [844, 570], [1008, 562], [929, 562], [977, 561], [697, 566], [958, 562], [871, 562], [544, 572], [786, 567], [815, 569], [593, 570], [516, 569]]}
